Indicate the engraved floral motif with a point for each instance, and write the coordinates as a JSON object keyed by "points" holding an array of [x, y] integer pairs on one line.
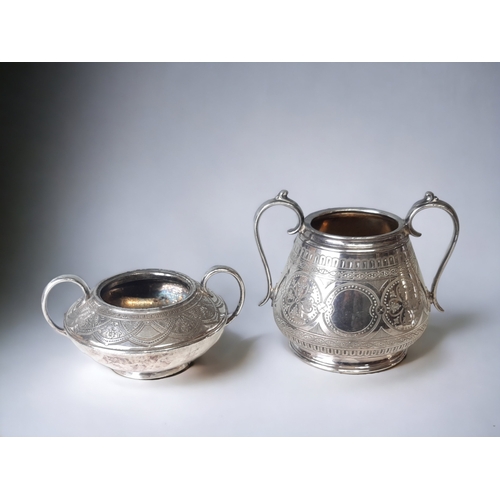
{"points": [[300, 301], [402, 305]]}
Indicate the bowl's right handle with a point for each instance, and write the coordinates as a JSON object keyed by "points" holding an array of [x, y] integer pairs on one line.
{"points": [[431, 201], [71, 278], [236, 276]]}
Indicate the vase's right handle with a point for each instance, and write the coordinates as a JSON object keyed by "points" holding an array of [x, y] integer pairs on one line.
{"points": [[431, 201], [280, 199]]}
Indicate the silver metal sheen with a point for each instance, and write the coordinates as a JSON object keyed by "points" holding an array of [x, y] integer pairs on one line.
{"points": [[146, 324], [351, 298]]}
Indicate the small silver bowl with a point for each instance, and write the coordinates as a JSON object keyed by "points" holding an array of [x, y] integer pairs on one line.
{"points": [[146, 324]]}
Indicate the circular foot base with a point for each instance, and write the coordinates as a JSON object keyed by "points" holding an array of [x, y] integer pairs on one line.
{"points": [[349, 365], [154, 375]]}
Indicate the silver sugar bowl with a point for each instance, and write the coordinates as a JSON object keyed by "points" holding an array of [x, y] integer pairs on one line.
{"points": [[146, 324], [351, 298]]}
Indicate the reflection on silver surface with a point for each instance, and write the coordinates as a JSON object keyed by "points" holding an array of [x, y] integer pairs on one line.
{"points": [[146, 293]]}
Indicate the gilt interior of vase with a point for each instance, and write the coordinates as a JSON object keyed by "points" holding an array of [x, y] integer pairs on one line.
{"points": [[145, 293], [354, 224]]}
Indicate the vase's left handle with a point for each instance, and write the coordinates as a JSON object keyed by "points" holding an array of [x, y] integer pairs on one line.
{"points": [[236, 276], [280, 199], [71, 278], [431, 201]]}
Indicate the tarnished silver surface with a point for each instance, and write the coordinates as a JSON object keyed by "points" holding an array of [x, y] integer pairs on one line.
{"points": [[351, 298], [146, 324]]}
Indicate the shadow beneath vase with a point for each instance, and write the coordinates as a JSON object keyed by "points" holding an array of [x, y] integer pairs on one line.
{"points": [[438, 329]]}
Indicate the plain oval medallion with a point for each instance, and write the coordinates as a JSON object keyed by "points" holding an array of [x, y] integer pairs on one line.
{"points": [[352, 310]]}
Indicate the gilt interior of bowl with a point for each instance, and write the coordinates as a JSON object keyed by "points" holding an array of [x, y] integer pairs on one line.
{"points": [[146, 291]]}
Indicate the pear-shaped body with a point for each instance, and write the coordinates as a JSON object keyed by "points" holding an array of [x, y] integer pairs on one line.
{"points": [[351, 298], [347, 308]]}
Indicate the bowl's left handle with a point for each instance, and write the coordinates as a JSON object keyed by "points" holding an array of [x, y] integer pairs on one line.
{"points": [[236, 276], [61, 279]]}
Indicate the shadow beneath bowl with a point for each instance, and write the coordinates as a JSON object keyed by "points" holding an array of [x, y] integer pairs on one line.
{"points": [[439, 327], [226, 355]]}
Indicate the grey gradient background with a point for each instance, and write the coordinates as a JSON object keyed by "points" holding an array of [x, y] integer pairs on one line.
{"points": [[113, 167]]}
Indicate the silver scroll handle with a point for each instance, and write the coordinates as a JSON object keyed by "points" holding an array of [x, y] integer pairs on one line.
{"points": [[431, 201], [71, 278], [236, 276], [281, 199]]}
